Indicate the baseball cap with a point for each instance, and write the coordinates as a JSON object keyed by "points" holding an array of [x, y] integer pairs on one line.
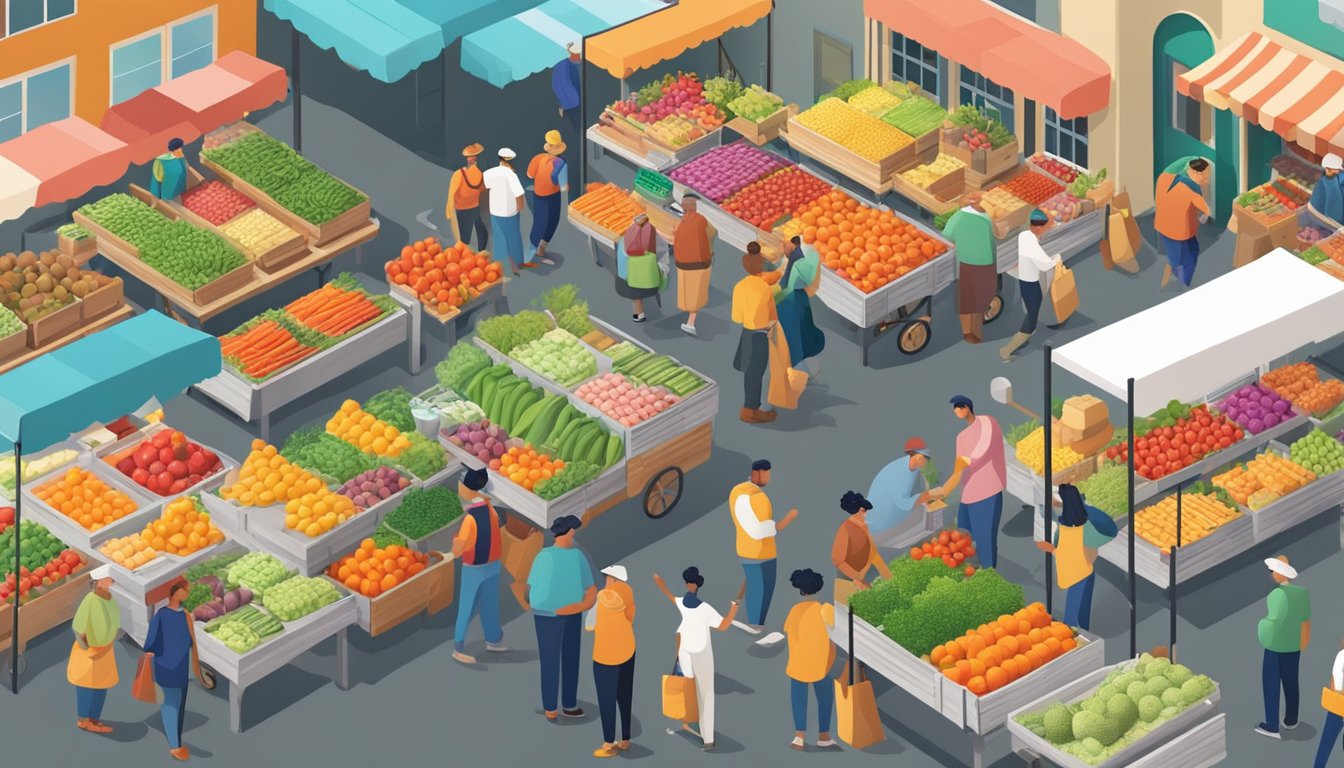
{"points": [[1280, 566], [962, 401], [507, 154], [616, 572], [1333, 162], [565, 525], [916, 445], [1038, 217]]}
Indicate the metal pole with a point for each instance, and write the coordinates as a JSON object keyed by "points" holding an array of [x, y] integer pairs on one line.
{"points": [[1049, 477], [1171, 579], [18, 545], [294, 41], [770, 48], [583, 120], [1133, 601]]}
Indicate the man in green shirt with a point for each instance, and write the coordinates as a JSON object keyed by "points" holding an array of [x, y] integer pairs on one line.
{"points": [[972, 232], [1284, 633]]}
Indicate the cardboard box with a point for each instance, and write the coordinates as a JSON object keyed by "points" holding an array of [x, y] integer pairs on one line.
{"points": [[1084, 412], [1068, 435], [1090, 445]]}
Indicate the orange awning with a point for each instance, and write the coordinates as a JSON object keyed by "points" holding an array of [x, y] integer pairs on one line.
{"points": [[1263, 81], [1035, 62], [664, 34], [67, 158]]}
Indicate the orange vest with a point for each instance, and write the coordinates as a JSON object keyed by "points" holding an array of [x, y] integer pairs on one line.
{"points": [[467, 195], [747, 547]]}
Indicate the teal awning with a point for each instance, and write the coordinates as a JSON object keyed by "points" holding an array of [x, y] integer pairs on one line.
{"points": [[390, 38], [102, 377], [534, 40]]}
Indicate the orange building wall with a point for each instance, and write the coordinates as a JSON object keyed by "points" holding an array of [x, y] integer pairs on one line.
{"points": [[99, 24]]}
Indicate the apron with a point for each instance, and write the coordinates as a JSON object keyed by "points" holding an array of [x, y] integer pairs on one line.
{"points": [[1071, 564], [642, 271], [93, 667]]}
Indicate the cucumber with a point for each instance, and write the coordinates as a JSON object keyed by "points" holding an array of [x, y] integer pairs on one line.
{"points": [[597, 452], [564, 418], [545, 420], [615, 448], [529, 415]]}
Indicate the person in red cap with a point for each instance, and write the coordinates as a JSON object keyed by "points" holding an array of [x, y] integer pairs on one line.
{"points": [[898, 489]]}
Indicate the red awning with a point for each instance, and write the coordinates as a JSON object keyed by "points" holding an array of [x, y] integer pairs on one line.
{"points": [[68, 158], [1035, 62]]}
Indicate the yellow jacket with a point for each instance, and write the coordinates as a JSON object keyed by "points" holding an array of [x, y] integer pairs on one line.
{"points": [[751, 513]]}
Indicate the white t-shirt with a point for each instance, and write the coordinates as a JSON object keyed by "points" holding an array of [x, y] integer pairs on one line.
{"points": [[505, 189], [1032, 259], [696, 624]]}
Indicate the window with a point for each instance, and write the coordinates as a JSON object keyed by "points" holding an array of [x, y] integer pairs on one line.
{"points": [[912, 62], [35, 98], [982, 92], [26, 14], [143, 62], [1066, 138], [1189, 116]]}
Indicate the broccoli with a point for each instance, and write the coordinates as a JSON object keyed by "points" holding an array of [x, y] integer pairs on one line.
{"points": [[1089, 724], [1149, 708], [1058, 724]]}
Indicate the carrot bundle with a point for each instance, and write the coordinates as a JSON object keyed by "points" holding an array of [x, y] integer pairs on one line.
{"points": [[333, 311], [264, 349]]}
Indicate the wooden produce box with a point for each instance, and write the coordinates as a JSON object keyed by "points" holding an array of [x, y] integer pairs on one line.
{"points": [[317, 234], [949, 199], [766, 129], [988, 162], [625, 137], [269, 260], [13, 344], [430, 590], [53, 326], [106, 298], [56, 605], [876, 176], [80, 250]]}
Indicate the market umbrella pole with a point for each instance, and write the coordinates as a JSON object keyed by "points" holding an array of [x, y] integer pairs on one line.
{"points": [[770, 48], [294, 44], [1133, 601], [1049, 479], [18, 545], [1171, 579]]}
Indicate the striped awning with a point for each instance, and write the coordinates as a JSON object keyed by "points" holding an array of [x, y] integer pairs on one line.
{"points": [[1269, 83]]}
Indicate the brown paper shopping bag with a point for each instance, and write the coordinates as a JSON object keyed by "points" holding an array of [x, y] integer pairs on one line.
{"points": [[1063, 293], [857, 721], [786, 383], [679, 697]]}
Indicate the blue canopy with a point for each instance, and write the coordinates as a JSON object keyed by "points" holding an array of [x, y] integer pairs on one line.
{"points": [[535, 39], [390, 38], [102, 377]]}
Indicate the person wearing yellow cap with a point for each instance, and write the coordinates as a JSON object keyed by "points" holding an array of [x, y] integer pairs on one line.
{"points": [[549, 178], [464, 200]]}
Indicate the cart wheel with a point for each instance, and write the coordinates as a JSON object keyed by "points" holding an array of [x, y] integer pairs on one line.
{"points": [[23, 665], [663, 492], [209, 677], [915, 336], [995, 309]]}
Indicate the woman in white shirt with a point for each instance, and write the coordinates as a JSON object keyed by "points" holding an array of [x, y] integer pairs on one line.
{"points": [[1332, 699], [695, 651], [1032, 265]]}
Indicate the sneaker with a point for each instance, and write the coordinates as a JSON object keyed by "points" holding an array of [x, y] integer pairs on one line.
{"points": [[639, 318], [605, 751], [797, 744], [552, 716], [827, 744], [1264, 730], [688, 328], [1289, 726], [575, 712], [496, 647], [547, 260], [708, 747], [463, 658]]}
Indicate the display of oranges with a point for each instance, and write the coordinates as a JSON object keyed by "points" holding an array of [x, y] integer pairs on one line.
{"points": [[82, 497], [370, 571], [183, 528], [267, 478], [366, 432], [443, 278], [526, 467], [867, 247], [993, 655], [130, 552]]}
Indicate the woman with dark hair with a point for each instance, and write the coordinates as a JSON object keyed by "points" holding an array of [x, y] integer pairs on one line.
{"points": [[811, 656], [802, 275], [172, 643], [1082, 530], [854, 551], [695, 652]]}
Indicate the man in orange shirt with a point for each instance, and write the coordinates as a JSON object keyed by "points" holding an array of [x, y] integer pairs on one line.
{"points": [[477, 545], [754, 310], [548, 175], [1180, 205], [464, 200]]}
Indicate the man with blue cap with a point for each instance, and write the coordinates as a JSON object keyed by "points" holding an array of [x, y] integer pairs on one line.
{"points": [[1034, 269], [980, 458], [169, 172]]}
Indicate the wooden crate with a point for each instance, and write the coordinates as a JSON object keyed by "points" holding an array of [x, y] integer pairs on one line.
{"points": [[935, 204], [80, 250], [54, 607], [876, 176], [430, 590], [54, 325], [13, 344], [318, 234], [106, 298], [625, 138], [269, 260], [223, 285], [766, 129]]}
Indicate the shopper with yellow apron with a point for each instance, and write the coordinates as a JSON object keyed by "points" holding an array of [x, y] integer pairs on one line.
{"points": [[1332, 700], [1081, 531], [93, 663]]}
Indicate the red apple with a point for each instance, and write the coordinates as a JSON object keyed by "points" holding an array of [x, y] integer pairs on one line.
{"points": [[165, 482], [140, 476], [156, 468], [126, 465]]}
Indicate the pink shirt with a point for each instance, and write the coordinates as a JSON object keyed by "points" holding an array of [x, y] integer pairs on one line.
{"points": [[982, 444]]}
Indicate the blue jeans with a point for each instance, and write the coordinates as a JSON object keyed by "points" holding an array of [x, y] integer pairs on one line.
{"points": [[545, 218], [825, 690], [89, 702], [981, 518], [1182, 255], [615, 685], [1078, 603], [479, 592], [174, 713], [760, 588], [509, 237], [1329, 735], [1280, 669], [1031, 299], [558, 651]]}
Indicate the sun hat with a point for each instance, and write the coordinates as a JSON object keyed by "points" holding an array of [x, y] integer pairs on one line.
{"points": [[555, 143], [616, 572], [1280, 566], [507, 154], [472, 150], [916, 445], [103, 571], [1333, 162]]}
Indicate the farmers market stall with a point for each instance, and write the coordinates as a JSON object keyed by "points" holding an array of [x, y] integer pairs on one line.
{"points": [[1160, 353], [49, 591], [242, 238], [96, 378], [447, 285], [606, 418], [327, 343]]}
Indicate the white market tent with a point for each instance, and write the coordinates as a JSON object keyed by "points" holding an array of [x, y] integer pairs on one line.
{"points": [[1195, 343]]}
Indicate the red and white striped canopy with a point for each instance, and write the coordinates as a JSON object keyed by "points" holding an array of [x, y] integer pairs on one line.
{"points": [[1267, 83]]}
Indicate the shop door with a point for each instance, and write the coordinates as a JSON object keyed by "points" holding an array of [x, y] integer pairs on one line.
{"points": [[1183, 126], [832, 63]]}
